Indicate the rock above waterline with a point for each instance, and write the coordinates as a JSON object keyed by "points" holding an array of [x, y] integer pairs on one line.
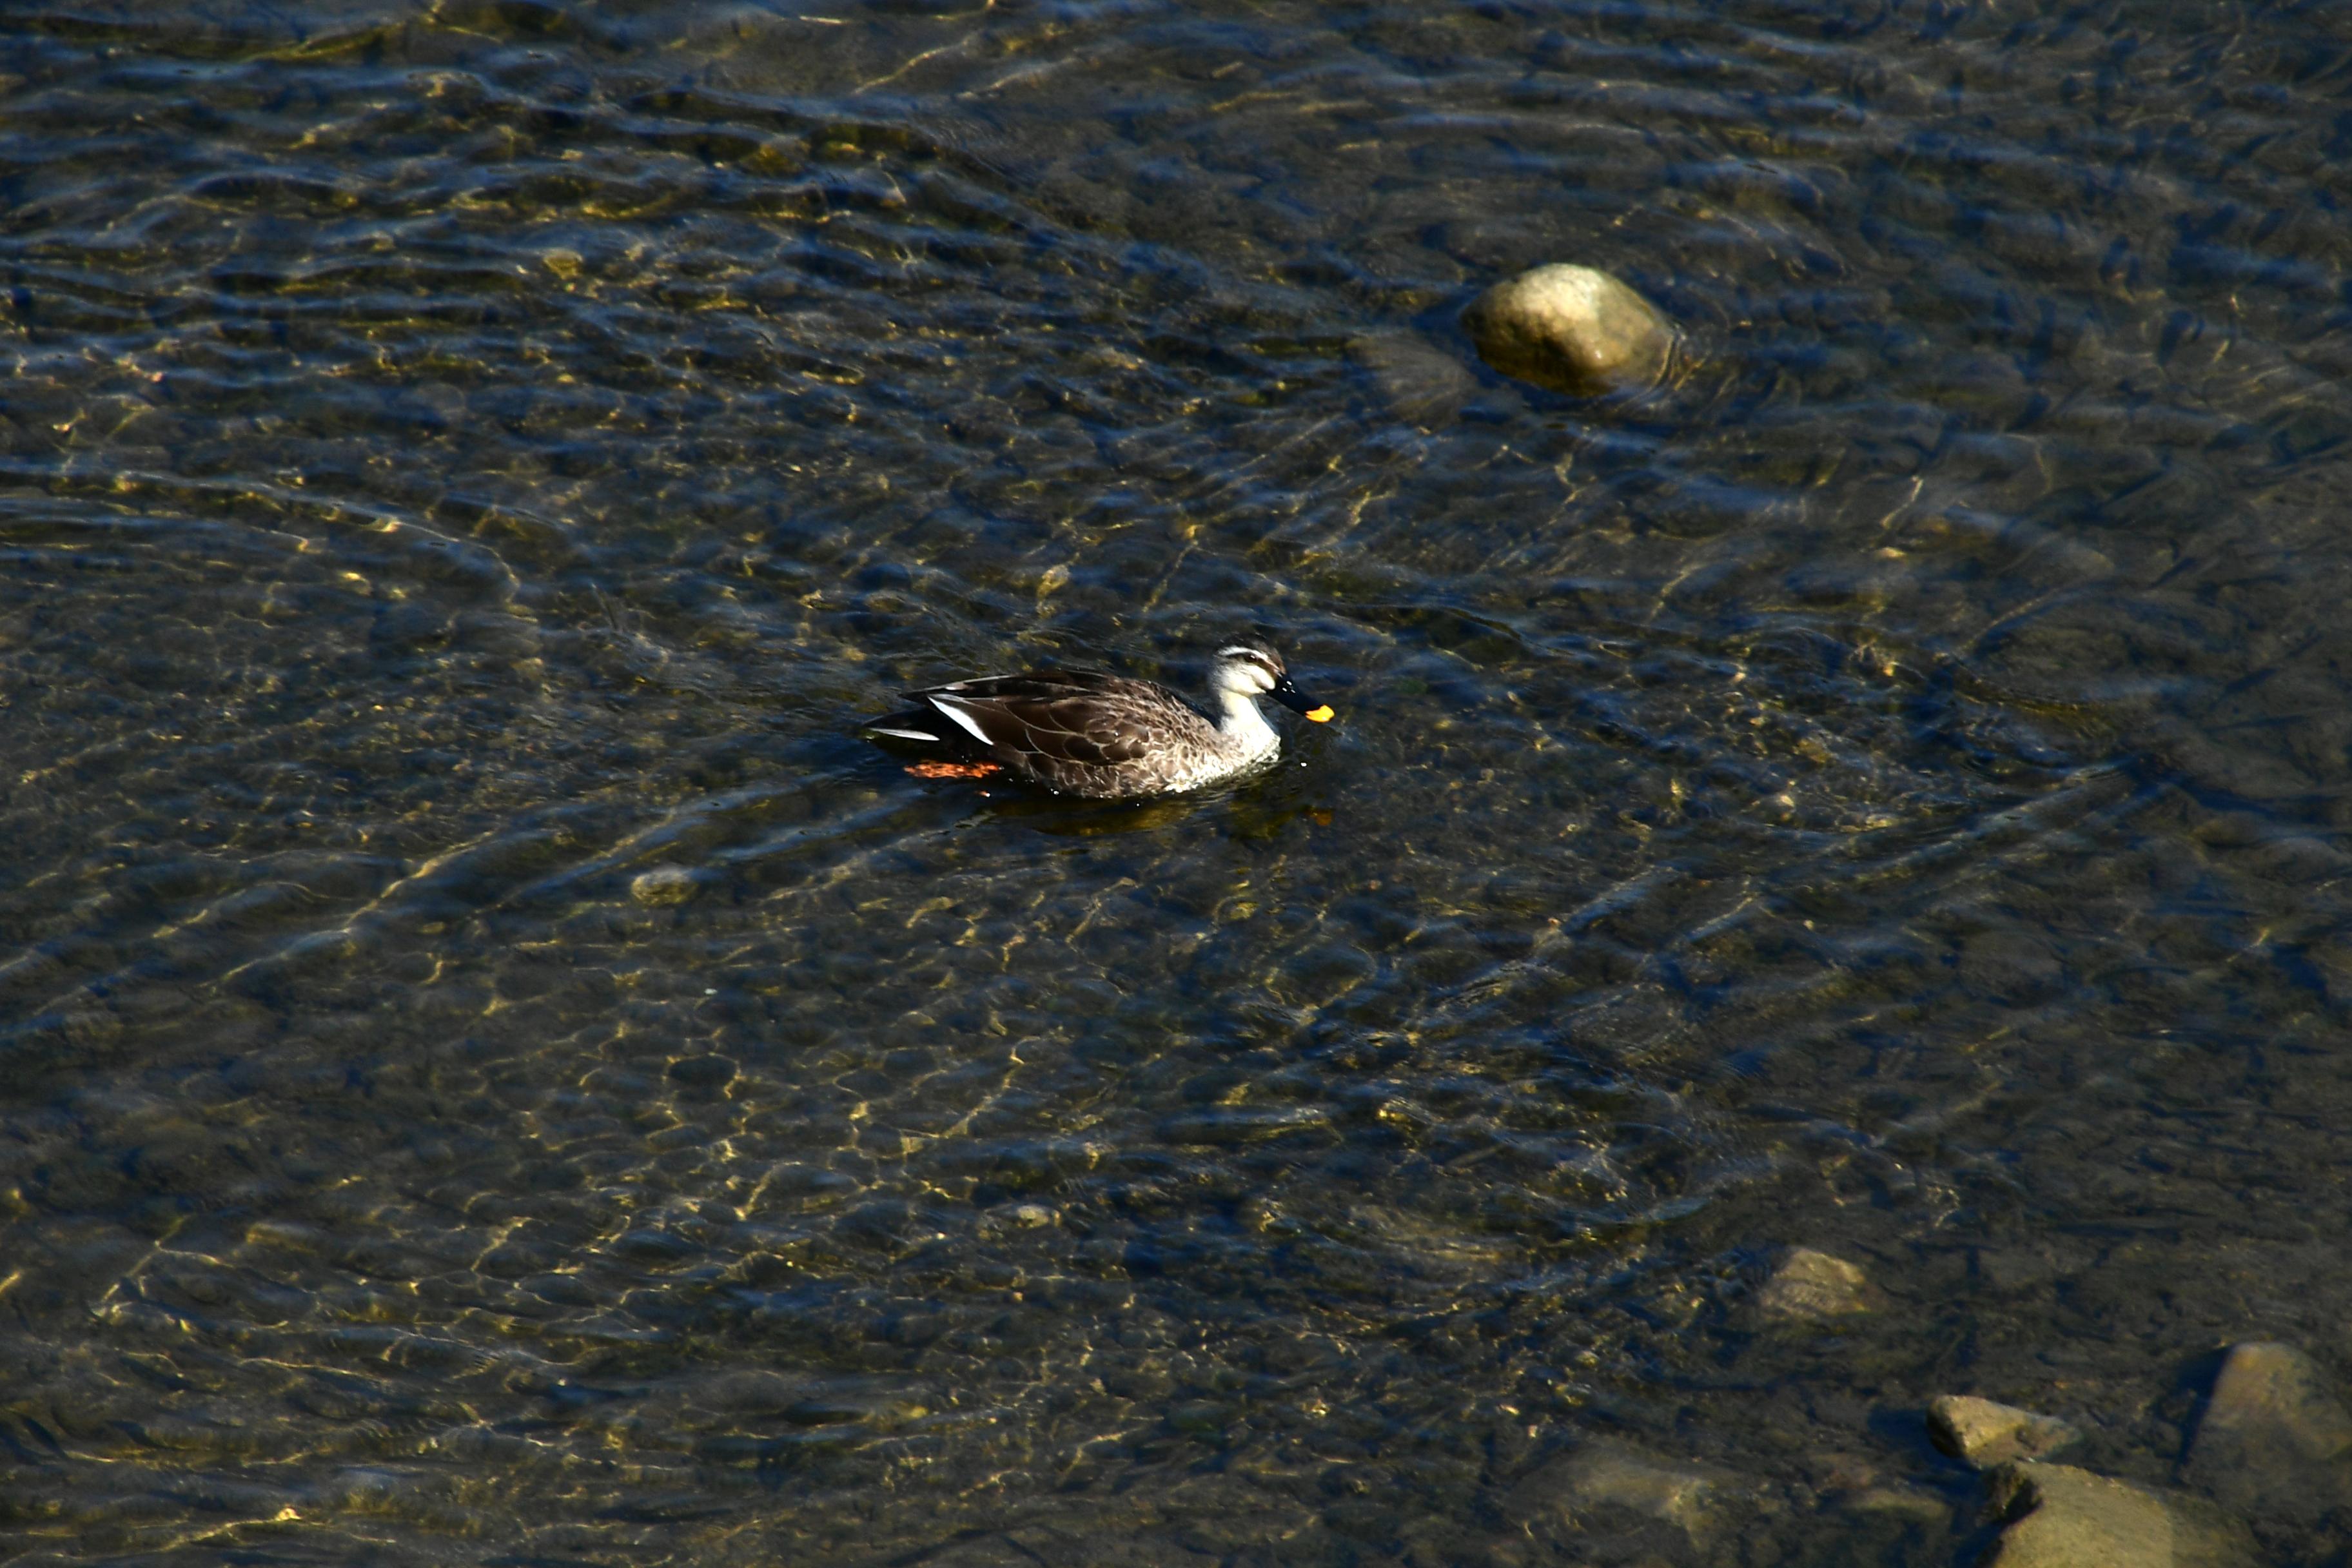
{"points": [[1983, 1433], [2273, 1441], [2059, 1517], [1571, 328], [1810, 1284]]}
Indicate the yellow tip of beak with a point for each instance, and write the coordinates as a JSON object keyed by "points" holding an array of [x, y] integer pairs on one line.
{"points": [[1321, 715]]}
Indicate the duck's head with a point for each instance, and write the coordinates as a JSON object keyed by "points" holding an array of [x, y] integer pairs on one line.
{"points": [[1250, 667]]}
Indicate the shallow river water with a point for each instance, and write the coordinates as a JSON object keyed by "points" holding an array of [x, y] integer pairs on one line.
{"points": [[492, 1070]]}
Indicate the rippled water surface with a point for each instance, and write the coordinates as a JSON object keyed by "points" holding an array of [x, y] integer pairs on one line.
{"points": [[495, 1071]]}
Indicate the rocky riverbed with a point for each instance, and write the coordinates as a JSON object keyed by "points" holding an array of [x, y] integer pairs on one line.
{"points": [[1795, 1017]]}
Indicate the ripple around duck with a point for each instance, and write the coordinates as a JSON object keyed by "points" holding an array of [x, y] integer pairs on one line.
{"points": [[494, 1068]]}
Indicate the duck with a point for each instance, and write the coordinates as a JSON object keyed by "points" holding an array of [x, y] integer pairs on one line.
{"points": [[1105, 737]]}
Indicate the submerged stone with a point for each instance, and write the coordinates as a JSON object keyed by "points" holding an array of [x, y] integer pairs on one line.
{"points": [[1626, 1477], [1417, 381], [1571, 328], [2273, 1441], [663, 884], [2060, 1517], [1810, 1284], [1606, 1475], [1984, 1434], [1607, 1487], [1899, 1502]]}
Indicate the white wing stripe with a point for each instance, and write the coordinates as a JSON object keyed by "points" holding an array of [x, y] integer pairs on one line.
{"points": [[948, 706]]}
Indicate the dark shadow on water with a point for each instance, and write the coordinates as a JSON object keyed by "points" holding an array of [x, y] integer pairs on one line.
{"points": [[1258, 808], [1067, 816]]}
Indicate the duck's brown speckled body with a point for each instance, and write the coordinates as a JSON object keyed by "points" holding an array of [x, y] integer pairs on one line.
{"points": [[1108, 737]]}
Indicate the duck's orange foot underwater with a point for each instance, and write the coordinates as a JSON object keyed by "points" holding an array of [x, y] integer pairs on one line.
{"points": [[954, 770]]}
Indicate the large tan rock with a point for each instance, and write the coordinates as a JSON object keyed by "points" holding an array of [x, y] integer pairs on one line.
{"points": [[2273, 1441], [2060, 1517], [1571, 328]]}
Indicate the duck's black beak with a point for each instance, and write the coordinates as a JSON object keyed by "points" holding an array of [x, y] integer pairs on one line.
{"points": [[1288, 695]]}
